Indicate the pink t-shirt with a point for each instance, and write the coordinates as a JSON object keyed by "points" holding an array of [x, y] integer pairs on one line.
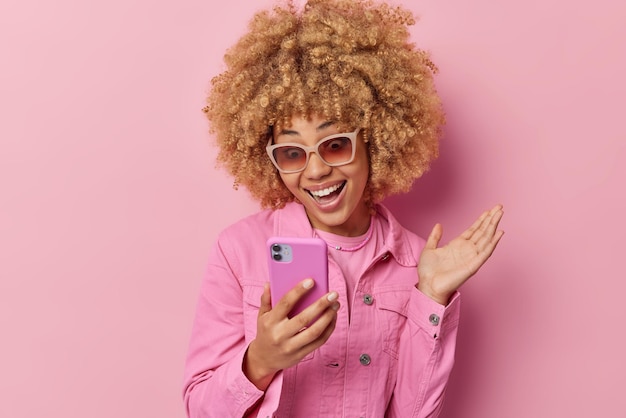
{"points": [[353, 254]]}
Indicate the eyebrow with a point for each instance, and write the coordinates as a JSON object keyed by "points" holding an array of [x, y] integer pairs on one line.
{"points": [[322, 126]]}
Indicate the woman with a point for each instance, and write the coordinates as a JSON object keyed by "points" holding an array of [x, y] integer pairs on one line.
{"points": [[322, 113]]}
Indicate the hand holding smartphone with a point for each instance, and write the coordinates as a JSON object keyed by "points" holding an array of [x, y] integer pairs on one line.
{"points": [[292, 260]]}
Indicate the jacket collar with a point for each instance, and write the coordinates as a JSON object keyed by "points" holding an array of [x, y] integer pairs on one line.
{"points": [[292, 221], [397, 239]]}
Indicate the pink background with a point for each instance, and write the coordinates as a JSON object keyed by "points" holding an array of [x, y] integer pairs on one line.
{"points": [[109, 201]]}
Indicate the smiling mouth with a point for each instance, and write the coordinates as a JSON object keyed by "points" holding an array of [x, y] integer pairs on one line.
{"points": [[327, 194]]}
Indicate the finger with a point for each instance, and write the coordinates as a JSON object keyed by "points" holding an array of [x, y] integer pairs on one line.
{"points": [[496, 239], [312, 312], [478, 228], [435, 236], [483, 255], [321, 340], [469, 232], [489, 249], [266, 300], [319, 331], [288, 301], [487, 232]]}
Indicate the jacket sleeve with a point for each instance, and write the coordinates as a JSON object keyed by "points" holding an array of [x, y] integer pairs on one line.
{"points": [[214, 383], [426, 357]]}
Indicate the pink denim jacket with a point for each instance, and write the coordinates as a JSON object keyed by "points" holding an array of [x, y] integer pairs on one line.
{"points": [[392, 359]]}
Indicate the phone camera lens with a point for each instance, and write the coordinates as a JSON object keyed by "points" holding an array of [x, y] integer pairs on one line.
{"points": [[277, 256], [276, 248]]}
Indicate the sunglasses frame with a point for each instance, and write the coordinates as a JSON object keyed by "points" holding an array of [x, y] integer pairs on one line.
{"points": [[352, 136]]}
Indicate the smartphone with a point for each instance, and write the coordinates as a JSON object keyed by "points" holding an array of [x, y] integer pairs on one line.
{"points": [[292, 260]]}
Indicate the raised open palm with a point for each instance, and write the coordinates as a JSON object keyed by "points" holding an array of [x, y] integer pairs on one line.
{"points": [[442, 270]]}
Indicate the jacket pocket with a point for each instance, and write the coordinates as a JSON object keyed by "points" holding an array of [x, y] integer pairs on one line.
{"points": [[391, 318], [252, 292]]}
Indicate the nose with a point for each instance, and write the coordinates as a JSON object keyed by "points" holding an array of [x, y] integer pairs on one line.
{"points": [[316, 168]]}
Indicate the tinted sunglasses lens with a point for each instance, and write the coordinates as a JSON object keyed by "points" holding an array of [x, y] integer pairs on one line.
{"points": [[336, 150], [290, 158]]}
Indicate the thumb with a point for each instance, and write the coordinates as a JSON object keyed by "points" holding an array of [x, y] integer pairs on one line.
{"points": [[434, 237], [266, 300]]}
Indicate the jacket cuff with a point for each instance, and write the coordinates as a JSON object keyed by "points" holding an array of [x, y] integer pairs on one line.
{"points": [[245, 394], [241, 392], [432, 317]]}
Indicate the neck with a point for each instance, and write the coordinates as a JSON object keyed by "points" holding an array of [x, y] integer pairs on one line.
{"points": [[358, 224]]}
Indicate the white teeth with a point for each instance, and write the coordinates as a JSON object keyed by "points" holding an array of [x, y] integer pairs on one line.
{"points": [[325, 192]]}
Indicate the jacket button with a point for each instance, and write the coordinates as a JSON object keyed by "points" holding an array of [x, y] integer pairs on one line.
{"points": [[434, 319], [385, 256], [368, 299], [365, 359]]}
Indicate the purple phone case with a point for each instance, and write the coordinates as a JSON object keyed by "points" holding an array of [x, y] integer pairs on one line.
{"points": [[309, 260]]}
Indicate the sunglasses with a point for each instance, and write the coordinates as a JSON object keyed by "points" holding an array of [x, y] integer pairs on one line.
{"points": [[334, 150]]}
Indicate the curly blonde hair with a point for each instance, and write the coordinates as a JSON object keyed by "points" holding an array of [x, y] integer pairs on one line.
{"points": [[348, 61]]}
